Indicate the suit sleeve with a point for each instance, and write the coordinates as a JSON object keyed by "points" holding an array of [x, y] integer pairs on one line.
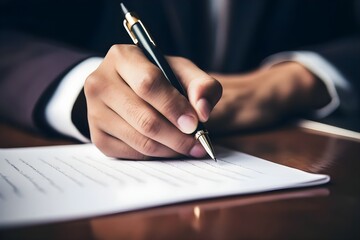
{"points": [[344, 54], [30, 69]]}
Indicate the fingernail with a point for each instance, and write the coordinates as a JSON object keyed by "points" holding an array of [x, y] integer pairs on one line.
{"points": [[204, 108], [197, 151], [187, 124]]}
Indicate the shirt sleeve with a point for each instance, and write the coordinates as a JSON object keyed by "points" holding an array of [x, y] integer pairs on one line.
{"points": [[338, 87], [58, 110]]}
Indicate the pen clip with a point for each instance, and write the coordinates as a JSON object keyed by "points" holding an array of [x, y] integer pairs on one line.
{"points": [[150, 38], [127, 28]]}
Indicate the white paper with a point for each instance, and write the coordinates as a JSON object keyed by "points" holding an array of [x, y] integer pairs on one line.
{"points": [[48, 184]]}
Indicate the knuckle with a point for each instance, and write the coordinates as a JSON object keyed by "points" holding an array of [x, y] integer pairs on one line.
{"points": [[121, 50], [148, 147], [95, 116], [174, 106], [184, 145], [149, 81], [92, 86], [149, 124], [115, 50], [103, 142]]}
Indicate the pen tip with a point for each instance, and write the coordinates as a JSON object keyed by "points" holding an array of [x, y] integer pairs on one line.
{"points": [[123, 8]]}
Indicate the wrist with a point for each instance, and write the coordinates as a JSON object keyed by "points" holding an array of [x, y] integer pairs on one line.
{"points": [[314, 94]]}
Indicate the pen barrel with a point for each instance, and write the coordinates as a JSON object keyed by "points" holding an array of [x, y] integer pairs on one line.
{"points": [[144, 41], [155, 55]]}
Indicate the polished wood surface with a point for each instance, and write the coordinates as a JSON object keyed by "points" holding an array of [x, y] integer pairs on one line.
{"points": [[330, 211]]}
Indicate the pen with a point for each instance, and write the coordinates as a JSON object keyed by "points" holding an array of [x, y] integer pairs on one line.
{"points": [[142, 39]]}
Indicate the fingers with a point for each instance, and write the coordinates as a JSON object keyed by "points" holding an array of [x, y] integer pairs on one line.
{"points": [[113, 147], [111, 136], [131, 109], [203, 90], [145, 120], [148, 82]]}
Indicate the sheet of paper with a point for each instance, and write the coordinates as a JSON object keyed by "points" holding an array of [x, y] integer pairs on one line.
{"points": [[47, 184]]}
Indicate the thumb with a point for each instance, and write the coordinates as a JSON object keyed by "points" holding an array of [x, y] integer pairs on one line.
{"points": [[203, 90]]}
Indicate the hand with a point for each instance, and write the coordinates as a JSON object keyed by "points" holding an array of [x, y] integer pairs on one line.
{"points": [[266, 96], [135, 113]]}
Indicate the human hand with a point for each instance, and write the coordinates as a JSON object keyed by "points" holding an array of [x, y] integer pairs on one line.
{"points": [[266, 96], [135, 113]]}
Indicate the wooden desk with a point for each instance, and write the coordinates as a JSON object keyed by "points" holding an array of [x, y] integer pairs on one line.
{"points": [[331, 211]]}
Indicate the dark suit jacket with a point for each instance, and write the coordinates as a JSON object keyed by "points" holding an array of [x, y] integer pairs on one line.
{"points": [[41, 40]]}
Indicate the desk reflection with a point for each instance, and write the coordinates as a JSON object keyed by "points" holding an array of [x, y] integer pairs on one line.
{"points": [[212, 219], [298, 149]]}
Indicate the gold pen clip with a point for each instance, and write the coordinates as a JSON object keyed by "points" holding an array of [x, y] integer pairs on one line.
{"points": [[125, 23], [129, 21]]}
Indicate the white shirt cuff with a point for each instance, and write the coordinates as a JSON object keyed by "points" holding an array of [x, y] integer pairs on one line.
{"points": [[325, 71], [58, 110]]}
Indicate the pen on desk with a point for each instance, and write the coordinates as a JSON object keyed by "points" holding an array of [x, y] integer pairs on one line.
{"points": [[142, 39]]}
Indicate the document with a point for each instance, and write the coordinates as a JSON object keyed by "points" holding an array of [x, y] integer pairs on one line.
{"points": [[49, 184]]}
